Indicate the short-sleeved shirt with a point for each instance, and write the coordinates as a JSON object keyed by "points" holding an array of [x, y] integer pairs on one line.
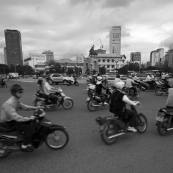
{"points": [[169, 101], [129, 83]]}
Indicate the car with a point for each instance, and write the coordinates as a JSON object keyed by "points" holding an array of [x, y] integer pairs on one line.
{"points": [[59, 78]]}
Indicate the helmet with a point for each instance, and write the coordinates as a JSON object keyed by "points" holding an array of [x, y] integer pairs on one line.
{"points": [[120, 85], [99, 78], [133, 75], [40, 78], [15, 88], [90, 77]]}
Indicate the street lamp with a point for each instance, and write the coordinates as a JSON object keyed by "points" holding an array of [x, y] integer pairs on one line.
{"points": [[116, 61]]}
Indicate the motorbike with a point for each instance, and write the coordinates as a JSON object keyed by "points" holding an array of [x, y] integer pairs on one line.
{"points": [[111, 127], [147, 85], [75, 82], [164, 121], [161, 89], [3, 83], [95, 101], [54, 136], [66, 102], [130, 92]]}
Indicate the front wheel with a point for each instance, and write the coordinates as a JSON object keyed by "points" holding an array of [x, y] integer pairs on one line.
{"points": [[141, 123], [67, 104], [162, 130], [4, 151], [91, 104], [39, 103], [109, 130], [158, 91], [57, 139]]}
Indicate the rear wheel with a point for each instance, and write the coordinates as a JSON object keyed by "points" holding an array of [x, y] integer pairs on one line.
{"points": [[91, 104], [67, 104], [141, 122], [57, 139], [109, 130]]}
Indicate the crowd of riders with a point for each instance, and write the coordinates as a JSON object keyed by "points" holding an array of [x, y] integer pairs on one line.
{"points": [[117, 104]]}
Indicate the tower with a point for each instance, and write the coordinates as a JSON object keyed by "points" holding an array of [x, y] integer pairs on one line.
{"points": [[13, 47], [115, 41]]}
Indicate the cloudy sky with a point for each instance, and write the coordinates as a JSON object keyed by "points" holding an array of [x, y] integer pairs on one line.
{"points": [[70, 27]]}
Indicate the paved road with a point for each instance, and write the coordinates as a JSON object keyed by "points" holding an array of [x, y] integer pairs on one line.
{"points": [[85, 152]]}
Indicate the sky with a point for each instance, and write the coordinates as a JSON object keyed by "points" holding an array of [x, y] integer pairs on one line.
{"points": [[70, 27]]}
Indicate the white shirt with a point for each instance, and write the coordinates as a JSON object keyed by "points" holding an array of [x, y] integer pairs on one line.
{"points": [[46, 88], [116, 80], [129, 83], [148, 78]]}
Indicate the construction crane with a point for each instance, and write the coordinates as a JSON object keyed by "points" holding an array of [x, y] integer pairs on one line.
{"points": [[101, 47]]}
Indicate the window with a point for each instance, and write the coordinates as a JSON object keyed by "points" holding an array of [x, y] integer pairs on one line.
{"points": [[103, 60], [108, 66]]}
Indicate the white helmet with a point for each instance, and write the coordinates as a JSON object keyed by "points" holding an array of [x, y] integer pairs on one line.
{"points": [[120, 85]]}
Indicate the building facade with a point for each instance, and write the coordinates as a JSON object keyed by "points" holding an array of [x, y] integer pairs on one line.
{"points": [[171, 46], [34, 59], [2, 60], [49, 55], [13, 42], [156, 56], [135, 57], [115, 41]]}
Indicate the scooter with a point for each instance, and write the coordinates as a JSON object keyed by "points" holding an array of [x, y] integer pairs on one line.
{"points": [[66, 102], [45, 131], [3, 83], [91, 89], [74, 82], [111, 127], [164, 121]]}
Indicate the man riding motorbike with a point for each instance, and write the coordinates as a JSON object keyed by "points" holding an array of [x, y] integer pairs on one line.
{"points": [[14, 121], [98, 89], [49, 90], [129, 83], [120, 100], [117, 79]]}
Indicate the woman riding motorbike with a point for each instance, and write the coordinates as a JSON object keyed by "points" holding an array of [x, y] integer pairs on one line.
{"points": [[119, 99]]}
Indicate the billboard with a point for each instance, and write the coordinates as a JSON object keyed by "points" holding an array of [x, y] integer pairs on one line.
{"points": [[38, 56]]}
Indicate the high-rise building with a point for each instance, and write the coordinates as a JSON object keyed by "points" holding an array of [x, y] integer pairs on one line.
{"points": [[13, 42], [115, 41], [156, 56], [49, 55], [171, 46], [135, 57]]}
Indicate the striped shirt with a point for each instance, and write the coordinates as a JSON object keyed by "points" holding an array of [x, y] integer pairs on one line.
{"points": [[169, 101]]}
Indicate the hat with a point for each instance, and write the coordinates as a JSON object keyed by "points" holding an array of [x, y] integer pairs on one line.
{"points": [[120, 85]]}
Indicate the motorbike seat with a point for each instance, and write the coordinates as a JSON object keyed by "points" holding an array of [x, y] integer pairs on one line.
{"points": [[167, 111]]}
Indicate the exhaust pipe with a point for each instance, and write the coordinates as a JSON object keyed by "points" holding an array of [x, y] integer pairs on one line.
{"points": [[170, 129], [116, 135], [96, 105]]}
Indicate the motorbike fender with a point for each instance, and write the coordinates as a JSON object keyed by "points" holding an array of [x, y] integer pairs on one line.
{"points": [[65, 97], [52, 128]]}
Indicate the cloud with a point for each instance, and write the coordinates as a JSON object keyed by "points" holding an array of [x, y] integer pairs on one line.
{"points": [[166, 42], [117, 3]]}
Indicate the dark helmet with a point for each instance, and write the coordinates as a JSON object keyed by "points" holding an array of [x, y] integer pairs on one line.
{"points": [[15, 88], [118, 76]]}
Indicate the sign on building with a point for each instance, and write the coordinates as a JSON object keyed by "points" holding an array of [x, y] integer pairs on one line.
{"points": [[79, 59]]}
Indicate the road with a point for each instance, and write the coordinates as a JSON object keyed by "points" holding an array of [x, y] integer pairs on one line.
{"points": [[85, 152]]}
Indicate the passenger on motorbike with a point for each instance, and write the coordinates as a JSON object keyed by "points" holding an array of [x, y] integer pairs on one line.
{"points": [[98, 90], [169, 101], [120, 100], [49, 91], [129, 83], [40, 91], [117, 79], [14, 121], [150, 79]]}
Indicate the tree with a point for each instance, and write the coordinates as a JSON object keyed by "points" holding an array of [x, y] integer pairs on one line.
{"points": [[102, 70]]}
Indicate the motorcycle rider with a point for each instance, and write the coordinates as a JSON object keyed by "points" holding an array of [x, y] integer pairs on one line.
{"points": [[129, 83], [98, 89], [49, 90], [120, 100], [117, 79], [169, 101], [14, 121]]}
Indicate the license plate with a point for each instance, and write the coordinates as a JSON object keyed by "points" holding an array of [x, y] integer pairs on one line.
{"points": [[160, 119]]}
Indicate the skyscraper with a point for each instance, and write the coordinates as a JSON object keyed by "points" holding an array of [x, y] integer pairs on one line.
{"points": [[13, 47], [115, 41]]}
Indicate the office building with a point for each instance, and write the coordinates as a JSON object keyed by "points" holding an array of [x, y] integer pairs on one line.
{"points": [[49, 55], [115, 41], [156, 56], [135, 57], [13, 42]]}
